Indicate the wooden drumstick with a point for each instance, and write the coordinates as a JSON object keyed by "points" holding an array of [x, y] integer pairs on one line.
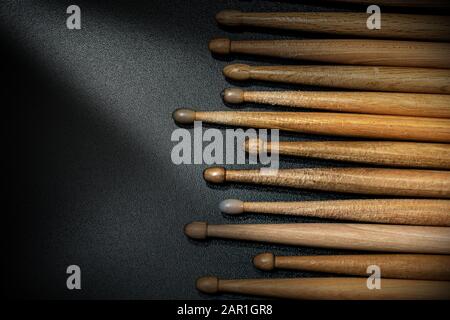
{"points": [[394, 26], [372, 237], [392, 182], [422, 212], [396, 266], [328, 288], [388, 153], [387, 103], [348, 51], [338, 124], [391, 79], [402, 3]]}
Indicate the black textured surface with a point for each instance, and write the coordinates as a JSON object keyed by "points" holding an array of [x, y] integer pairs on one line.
{"points": [[93, 179]]}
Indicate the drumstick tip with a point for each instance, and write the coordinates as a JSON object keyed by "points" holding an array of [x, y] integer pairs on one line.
{"points": [[220, 46], [208, 284], [231, 206], [184, 116], [237, 71], [196, 230], [228, 17], [233, 95], [264, 261], [214, 174]]}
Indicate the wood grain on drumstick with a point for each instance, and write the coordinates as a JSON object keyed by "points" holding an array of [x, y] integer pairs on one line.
{"points": [[340, 51], [397, 266], [373, 237], [395, 26], [328, 288], [388, 153], [387, 103], [390, 79], [338, 124], [392, 182], [391, 211]]}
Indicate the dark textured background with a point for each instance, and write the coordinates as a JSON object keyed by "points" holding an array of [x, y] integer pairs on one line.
{"points": [[92, 179]]}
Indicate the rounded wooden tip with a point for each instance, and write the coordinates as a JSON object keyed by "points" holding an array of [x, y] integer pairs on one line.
{"points": [[208, 284], [231, 206], [264, 261], [214, 174], [228, 17], [220, 46], [185, 116], [237, 71], [233, 95], [253, 145], [196, 230]]}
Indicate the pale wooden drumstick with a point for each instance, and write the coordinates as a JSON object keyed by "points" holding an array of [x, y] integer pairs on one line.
{"points": [[328, 288], [391, 182], [387, 153], [392, 211], [343, 51], [372, 237], [394, 26], [387, 103], [396, 266], [339, 124], [391, 79]]}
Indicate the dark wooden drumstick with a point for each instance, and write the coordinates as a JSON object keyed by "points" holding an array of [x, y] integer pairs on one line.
{"points": [[393, 211], [387, 103], [328, 288], [391, 182], [396, 266], [388, 153], [394, 26], [372, 237], [391, 79], [348, 51]]}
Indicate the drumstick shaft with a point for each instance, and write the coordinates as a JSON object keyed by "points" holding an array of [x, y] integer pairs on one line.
{"points": [[338, 124], [396, 266], [398, 154], [406, 104], [391, 211], [372, 237], [353, 51], [329, 288], [395, 79], [393, 182], [395, 26]]}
